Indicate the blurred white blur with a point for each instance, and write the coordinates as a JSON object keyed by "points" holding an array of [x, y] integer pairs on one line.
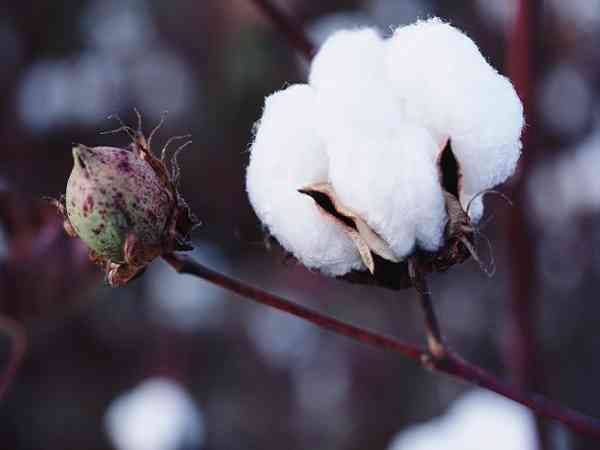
{"points": [[156, 415], [478, 420], [186, 303]]}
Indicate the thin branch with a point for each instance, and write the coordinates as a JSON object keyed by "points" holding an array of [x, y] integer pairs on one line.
{"points": [[449, 363], [435, 340], [184, 264], [18, 343], [293, 32]]}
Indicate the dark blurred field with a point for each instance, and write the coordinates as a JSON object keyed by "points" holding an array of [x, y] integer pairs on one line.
{"points": [[259, 379]]}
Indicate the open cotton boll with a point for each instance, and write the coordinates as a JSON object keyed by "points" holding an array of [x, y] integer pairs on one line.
{"points": [[393, 184], [349, 77], [287, 155], [445, 84]]}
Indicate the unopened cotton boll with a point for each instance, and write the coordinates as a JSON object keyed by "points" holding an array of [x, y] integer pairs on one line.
{"points": [[287, 154], [447, 85], [393, 184]]}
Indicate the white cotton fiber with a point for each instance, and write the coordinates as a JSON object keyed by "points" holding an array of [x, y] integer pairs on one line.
{"points": [[352, 90], [393, 184], [288, 155], [448, 86]]}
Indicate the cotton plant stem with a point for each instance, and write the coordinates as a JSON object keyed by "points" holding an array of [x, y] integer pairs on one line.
{"points": [[435, 340], [448, 363], [520, 346], [288, 26], [14, 331], [520, 353], [184, 264]]}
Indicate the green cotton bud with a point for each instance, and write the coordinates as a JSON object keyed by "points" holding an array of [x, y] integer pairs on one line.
{"points": [[123, 203], [111, 193]]}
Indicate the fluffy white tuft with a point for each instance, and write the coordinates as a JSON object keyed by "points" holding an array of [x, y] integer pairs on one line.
{"points": [[393, 184], [352, 91], [287, 155], [446, 85]]}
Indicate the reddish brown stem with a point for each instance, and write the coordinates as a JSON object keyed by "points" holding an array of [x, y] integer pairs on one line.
{"points": [[183, 264], [520, 348], [18, 342], [449, 363], [435, 340], [294, 33]]}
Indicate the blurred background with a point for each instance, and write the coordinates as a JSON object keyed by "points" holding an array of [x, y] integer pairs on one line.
{"points": [[173, 363]]}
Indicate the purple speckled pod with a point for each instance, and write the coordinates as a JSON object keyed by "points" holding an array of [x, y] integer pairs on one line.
{"points": [[124, 204], [112, 193]]}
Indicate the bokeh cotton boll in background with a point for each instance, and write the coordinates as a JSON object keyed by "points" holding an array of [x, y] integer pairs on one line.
{"points": [[182, 303], [156, 415], [565, 100], [478, 420], [567, 188]]}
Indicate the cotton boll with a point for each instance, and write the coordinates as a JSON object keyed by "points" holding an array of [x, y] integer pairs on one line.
{"points": [[158, 414], [352, 91], [569, 186], [393, 184], [470, 423], [446, 85], [288, 155]]}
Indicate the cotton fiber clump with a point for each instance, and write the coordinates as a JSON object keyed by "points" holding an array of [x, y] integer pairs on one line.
{"points": [[371, 124], [445, 83], [351, 86], [287, 154], [394, 188]]}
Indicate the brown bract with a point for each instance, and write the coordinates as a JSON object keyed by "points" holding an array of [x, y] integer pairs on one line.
{"points": [[386, 269]]}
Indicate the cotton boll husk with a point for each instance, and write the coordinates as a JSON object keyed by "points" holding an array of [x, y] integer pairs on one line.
{"points": [[445, 84], [352, 89], [287, 155], [393, 184]]}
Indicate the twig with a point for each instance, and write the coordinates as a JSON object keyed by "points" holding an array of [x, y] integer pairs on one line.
{"points": [[450, 363], [184, 264], [435, 340], [18, 343], [288, 27]]}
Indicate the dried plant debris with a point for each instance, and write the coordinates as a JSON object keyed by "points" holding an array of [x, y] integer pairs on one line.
{"points": [[125, 205]]}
